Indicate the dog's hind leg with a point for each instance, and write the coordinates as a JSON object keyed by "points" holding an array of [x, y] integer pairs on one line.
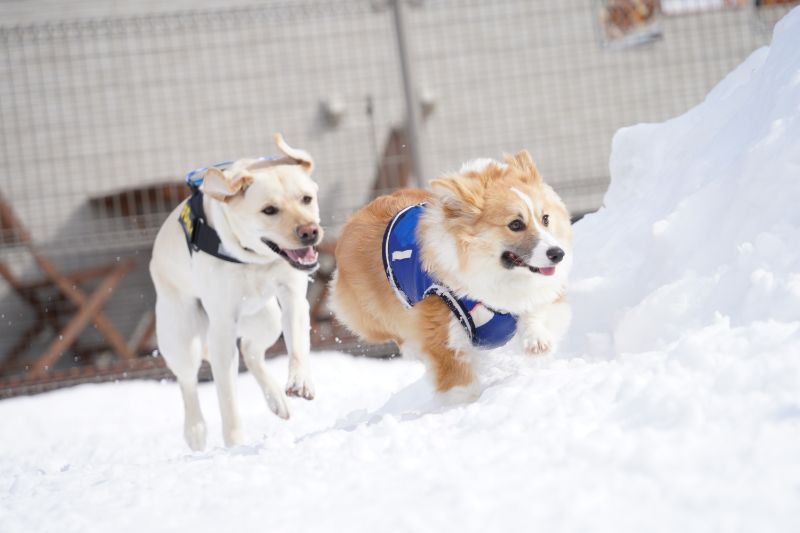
{"points": [[180, 328], [351, 312], [224, 361], [451, 368], [194, 426], [259, 332]]}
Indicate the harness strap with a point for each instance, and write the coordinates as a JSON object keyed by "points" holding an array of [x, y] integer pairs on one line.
{"points": [[411, 283], [200, 237], [456, 307]]}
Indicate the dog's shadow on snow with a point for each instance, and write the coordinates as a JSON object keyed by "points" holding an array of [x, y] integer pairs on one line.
{"points": [[414, 401], [409, 403]]}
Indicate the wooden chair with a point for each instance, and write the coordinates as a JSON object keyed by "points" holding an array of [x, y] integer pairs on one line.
{"points": [[85, 307]]}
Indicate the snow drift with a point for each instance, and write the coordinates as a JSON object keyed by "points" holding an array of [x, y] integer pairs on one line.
{"points": [[674, 406]]}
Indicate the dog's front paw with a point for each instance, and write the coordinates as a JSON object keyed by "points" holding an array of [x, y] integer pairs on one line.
{"points": [[461, 394], [300, 385], [537, 347], [233, 437], [539, 342], [195, 435], [277, 404]]}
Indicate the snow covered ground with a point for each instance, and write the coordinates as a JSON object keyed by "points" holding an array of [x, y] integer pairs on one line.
{"points": [[673, 406]]}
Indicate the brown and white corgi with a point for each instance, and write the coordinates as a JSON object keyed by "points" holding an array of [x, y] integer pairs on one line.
{"points": [[483, 256]]}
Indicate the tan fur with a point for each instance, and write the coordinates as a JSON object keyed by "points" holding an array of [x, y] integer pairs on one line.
{"points": [[475, 209], [365, 302], [377, 318], [482, 204], [450, 369], [300, 156], [221, 187], [523, 161]]}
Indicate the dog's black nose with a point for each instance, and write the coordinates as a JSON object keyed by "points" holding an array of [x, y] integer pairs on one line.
{"points": [[555, 254], [307, 233]]}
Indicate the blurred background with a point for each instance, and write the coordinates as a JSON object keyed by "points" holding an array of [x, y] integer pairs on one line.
{"points": [[105, 105]]}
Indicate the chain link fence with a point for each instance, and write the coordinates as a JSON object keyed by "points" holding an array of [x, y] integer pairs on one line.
{"points": [[102, 117]]}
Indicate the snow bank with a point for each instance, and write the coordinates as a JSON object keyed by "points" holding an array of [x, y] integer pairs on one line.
{"points": [[674, 406], [701, 222]]}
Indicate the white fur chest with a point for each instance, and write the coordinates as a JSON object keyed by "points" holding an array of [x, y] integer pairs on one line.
{"points": [[258, 284], [241, 289]]}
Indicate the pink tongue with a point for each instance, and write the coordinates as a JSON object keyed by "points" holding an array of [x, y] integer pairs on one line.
{"points": [[302, 255], [547, 271]]}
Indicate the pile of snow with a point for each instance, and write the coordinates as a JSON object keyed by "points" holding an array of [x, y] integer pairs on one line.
{"points": [[674, 406]]}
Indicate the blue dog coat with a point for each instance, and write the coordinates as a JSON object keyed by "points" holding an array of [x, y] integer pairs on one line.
{"points": [[486, 327]]}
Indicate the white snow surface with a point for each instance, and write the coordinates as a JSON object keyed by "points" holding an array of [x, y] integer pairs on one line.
{"points": [[674, 404]]}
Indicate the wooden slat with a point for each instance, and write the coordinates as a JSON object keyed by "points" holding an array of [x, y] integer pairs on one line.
{"points": [[76, 277], [77, 296], [88, 311], [11, 224], [143, 333]]}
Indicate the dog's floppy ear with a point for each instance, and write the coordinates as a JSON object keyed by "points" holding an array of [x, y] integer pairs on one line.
{"points": [[299, 156], [221, 187], [460, 196], [523, 161]]}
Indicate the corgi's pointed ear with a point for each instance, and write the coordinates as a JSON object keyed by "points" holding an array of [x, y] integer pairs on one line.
{"points": [[523, 161], [300, 156], [460, 196], [222, 187]]}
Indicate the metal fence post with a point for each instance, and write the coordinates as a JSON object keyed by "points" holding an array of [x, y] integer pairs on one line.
{"points": [[409, 90]]}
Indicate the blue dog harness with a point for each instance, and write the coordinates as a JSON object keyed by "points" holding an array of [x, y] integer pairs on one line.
{"points": [[402, 263]]}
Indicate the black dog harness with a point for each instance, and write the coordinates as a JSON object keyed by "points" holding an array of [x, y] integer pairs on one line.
{"points": [[200, 237]]}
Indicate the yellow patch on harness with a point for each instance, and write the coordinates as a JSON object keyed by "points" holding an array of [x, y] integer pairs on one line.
{"points": [[186, 218]]}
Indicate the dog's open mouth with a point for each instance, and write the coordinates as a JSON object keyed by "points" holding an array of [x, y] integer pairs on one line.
{"points": [[512, 260], [305, 258]]}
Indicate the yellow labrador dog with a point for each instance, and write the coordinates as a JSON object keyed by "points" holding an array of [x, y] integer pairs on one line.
{"points": [[231, 264]]}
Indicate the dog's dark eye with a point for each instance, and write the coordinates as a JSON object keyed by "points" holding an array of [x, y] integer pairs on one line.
{"points": [[546, 220], [516, 225], [307, 199], [270, 210]]}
